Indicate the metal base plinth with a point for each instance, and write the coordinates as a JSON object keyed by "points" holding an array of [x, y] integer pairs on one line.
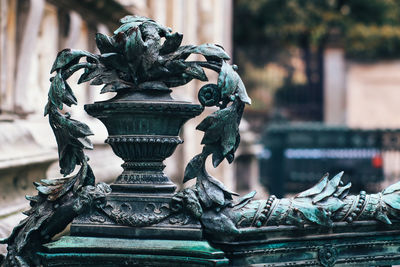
{"points": [[364, 243], [142, 206], [107, 252], [135, 232]]}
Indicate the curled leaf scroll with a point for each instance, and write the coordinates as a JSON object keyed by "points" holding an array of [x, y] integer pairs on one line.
{"points": [[221, 136]]}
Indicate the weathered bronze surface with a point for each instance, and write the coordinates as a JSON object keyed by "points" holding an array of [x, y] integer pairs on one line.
{"points": [[143, 221]]}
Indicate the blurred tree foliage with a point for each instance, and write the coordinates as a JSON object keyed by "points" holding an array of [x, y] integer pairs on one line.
{"points": [[370, 29], [367, 29]]}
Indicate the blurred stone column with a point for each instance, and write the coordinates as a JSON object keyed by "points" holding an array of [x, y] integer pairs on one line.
{"points": [[8, 30], [27, 42], [246, 164], [334, 81]]}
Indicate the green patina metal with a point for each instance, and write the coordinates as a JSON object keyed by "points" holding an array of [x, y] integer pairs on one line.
{"points": [[113, 251], [140, 219]]}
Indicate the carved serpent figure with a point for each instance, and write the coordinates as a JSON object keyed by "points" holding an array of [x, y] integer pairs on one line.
{"points": [[135, 58]]}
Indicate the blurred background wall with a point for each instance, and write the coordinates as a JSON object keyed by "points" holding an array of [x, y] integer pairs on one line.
{"points": [[31, 34]]}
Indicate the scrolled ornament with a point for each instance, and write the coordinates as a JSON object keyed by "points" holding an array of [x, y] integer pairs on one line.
{"points": [[209, 95]]}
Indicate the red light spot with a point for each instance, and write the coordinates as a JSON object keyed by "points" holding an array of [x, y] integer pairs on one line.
{"points": [[377, 161]]}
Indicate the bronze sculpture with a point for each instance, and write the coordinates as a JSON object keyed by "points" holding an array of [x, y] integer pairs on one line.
{"points": [[142, 70]]}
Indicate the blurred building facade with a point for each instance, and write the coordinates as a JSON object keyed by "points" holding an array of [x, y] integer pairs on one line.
{"points": [[31, 34], [360, 95], [363, 95]]}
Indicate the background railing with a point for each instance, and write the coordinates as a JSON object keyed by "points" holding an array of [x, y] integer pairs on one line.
{"points": [[296, 156]]}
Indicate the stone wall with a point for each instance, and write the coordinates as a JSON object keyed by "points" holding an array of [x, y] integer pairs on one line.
{"points": [[373, 94], [31, 34], [361, 95], [364, 95]]}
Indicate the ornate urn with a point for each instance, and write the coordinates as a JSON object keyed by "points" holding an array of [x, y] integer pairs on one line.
{"points": [[143, 123], [143, 130]]}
